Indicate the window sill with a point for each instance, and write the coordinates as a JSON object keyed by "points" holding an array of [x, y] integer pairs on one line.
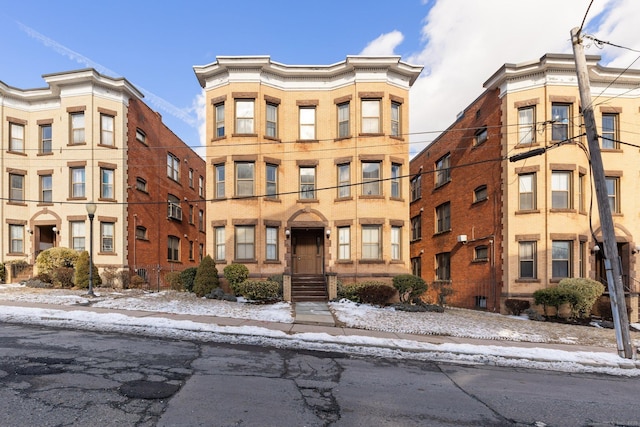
{"points": [[45, 204], [522, 280], [271, 138], [477, 202], [396, 261], [370, 196], [245, 261], [396, 199], [611, 150], [74, 144], [529, 145], [16, 203], [480, 261], [439, 186], [45, 154], [222, 199], [617, 214], [101, 199], [220, 261], [272, 199], [244, 135], [113, 147], [342, 199], [77, 198], [108, 253], [370, 261], [19, 153], [440, 233], [562, 210], [397, 138], [218, 138], [16, 254], [371, 134], [415, 200], [272, 261], [342, 138], [307, 140], [533, 211], [308, 201], [344, 261]]}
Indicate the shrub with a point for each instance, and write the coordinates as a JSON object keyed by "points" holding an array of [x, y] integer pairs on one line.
{"points": [[52, 258], [136, 282], [516, 306], [375, 293], [549, 297], [235, 274], [172, 278], [206, 277], [63, 277], [349, 291], [582, 294], [3, 273], [81, 279], [125, 278], [409, 287], [258, 290], [187, 277]]}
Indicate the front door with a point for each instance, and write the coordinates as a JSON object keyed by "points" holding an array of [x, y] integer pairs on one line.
{"points": [[308, 251], [623, 253], [45, 238]]}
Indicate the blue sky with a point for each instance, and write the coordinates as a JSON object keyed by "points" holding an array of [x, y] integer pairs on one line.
{"points": [[155, 45]]}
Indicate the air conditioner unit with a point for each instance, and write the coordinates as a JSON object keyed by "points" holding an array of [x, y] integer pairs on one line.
{"points": [[462, 238]]}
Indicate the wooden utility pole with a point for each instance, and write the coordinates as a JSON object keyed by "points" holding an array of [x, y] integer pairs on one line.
{"points": [[610, 247]]}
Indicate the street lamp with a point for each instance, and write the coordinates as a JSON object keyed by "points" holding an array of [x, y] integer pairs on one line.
{"points": [[91, 210]]}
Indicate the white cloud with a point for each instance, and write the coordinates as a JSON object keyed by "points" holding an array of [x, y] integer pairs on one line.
{"points": [[466, 42], [383, 45], [199, 105]]}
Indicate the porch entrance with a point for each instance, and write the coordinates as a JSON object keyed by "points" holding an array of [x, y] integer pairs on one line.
{"points": [[45, 238], [601, 273], [307, 251]]}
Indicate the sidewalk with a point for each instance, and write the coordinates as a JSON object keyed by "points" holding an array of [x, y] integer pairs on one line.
{"points": [[312, 319]]}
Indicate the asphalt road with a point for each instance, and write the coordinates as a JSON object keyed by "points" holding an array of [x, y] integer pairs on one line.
{"points": [[61, 377]]}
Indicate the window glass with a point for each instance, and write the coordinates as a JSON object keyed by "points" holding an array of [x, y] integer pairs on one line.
{"points": [[371, 242], [244, 179], [272, 180], [272, 243], [526, 125], [46, 188], [527, 192], [307, 123], [106, 129], [244, 116], [307, 183], [219, 182], [344, 243], [343, 120], [106, 236], [560, 117], [560, 190], [45, 139], [77, 128], [371, 178], [395, 119], [371, 116], [395, 180], [245, 239], [16, 142], [344, 180], [272, 120], [561, 254]]}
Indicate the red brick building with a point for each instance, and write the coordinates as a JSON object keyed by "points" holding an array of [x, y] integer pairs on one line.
{"points": [[166, 189], [455, 210]]}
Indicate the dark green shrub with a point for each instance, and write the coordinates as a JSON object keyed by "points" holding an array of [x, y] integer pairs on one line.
{"points": [[349, 291], [375, 293], [63, 277], [3, 273], [552, 297], [52, 258], [258, 290], [81, 278], [409, 287], [187, 277], [206, 277], [516, 306], [172, 278], [235, 274], [582, 294]]}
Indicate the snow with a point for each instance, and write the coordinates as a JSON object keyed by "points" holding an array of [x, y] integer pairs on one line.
{"points": [[455, 336]]}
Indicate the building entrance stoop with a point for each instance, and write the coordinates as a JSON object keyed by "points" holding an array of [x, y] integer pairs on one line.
{"points": [[313, 313]]}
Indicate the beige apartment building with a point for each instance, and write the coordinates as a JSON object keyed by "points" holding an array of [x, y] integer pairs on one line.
{"points": [[306, 166], [89, 138]]}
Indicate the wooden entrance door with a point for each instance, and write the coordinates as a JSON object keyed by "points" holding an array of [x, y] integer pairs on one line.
{"points": [[308, 252]]}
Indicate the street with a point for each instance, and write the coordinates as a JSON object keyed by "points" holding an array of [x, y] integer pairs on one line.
{"points": [[61, 377]]}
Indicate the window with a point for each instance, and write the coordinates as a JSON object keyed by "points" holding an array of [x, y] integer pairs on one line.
{"points": [[610, 131], [201, 186], [307, 182], [581, 195], [190, 178], [371, 116], [344, 130], [344, 243], [245, 241], [527, 260], [16, 137], [46, 189], [481, 253], [443, 266], [200, 251], [344, 180], [371, 178], [77, 128], [46, 138], [106, 183], [416, 227], [613, 190], [526, 125], [173, 248], [77, 182], [560, 117], [395, 180], [16, 239], [141, 232], [244, 179], [173, 167], [561, 258], [106, 130], [396, 236], [371, 240], [443, 173], [560, 190], [106, 236], [443, 217], [244, 116], [201, 220], [190, 250], [174, 209], [219, 120], [480, 193], [272, 120], [141, 136], [141, 184], [219, 182], [416, 267], [527, 191], [481, 301], [78, 235], [272, 181], [395, 119], [271, 240], [480, 137], [416, 187], [16, 188], [220, 244], [190, 214], [307, 123]]}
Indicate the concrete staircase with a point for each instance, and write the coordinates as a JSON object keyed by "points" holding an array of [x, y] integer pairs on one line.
{"points": [[308, 288]]}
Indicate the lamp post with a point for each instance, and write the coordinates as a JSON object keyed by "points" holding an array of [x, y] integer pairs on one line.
{"points": [[91, 210]]}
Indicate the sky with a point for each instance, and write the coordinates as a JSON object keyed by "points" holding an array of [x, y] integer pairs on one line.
{"points": [[128, 311], [460, 43]]}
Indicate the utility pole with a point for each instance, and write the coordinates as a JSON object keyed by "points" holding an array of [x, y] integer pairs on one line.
{"points": [[610, 247]]}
